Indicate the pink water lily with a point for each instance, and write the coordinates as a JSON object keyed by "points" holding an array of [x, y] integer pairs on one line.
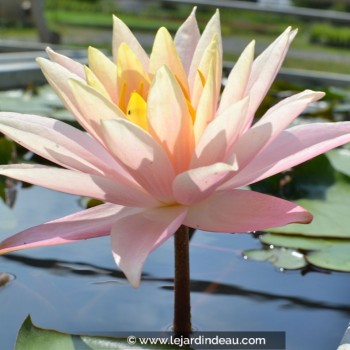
{"points": [[162, 147]]}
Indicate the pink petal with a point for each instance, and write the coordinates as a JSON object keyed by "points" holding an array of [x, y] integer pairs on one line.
{"points": [[66, 62], [292, 147], [195, 185], [80, 184], [141, 155], [164, 53], [92, 107], [86, 224], [265, 69], [212, 30], [59, 77], [58, 142], [210, 64], [136, 236], [186, 39], [169, 119], [238, 78], [270, 126], [220, 135], [242, 211], [122, 34]]}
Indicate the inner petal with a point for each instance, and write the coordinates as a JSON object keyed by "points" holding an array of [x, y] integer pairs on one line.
{"points": [[131, 76]]}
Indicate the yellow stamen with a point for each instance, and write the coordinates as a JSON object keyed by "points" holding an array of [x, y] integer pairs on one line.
{"points": [[136, 111]]}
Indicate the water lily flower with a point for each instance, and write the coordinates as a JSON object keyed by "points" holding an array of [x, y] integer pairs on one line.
{"points": [[162, 147]]}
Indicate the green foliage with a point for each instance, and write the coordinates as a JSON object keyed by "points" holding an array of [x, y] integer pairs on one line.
{"points": [[324, 4], [326, 34], [98, 6]]}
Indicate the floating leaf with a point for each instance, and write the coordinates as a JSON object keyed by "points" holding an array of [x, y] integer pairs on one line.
{"points": [[333, 258], [331, 214], [340, 160], [300, 242], [281, 257], [34, 338], [28, 105], [31, 337]]}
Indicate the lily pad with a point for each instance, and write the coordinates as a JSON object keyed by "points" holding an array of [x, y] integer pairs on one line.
{"points": [[34, 338], [301, 242], [289, 259], [340, 159], [30, 105], [31, 337], [331, 214], [335, 258]]}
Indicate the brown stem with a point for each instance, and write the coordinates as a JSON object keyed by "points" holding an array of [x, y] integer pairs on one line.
{"points": [[182, 307]]}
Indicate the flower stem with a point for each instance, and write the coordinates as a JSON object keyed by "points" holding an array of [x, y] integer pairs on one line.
{"points": [[182, 304]]}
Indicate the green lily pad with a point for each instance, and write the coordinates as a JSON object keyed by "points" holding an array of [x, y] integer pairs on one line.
{"points": [[340, 159], [301, 242], [30, 105], [331, 214], [31, 337], [289, 259], [335, 258], [322, 186]]}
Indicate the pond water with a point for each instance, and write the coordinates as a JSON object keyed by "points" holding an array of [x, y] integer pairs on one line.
{"points": [[78, 288]]}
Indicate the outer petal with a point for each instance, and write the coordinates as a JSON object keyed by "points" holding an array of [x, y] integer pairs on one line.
{"points": [[81, 184], [90, 223], [164, 53], [242, 211], [213, 29], [237, 81], [169, 119], [270, 126], [122, 34], [58, 142], [220, 135], [58, 77], [141, 155], [105, 71], [265, 68], [136, 236], [197, 184], [66, 62], [93, 107], [186, 40], [292, 147]]}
